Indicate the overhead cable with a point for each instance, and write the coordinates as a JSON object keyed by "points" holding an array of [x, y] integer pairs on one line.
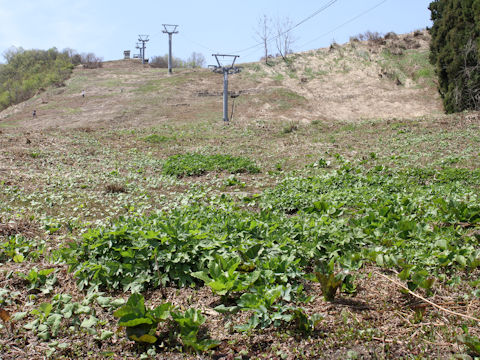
{"points": [[346, 23], [315, 13]]}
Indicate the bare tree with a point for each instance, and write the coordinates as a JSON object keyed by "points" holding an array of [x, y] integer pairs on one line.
{"points": [[162, 62], [91, 61], [196, 60], [263, 33], [159, 62], [284, 38], [74, 56]]}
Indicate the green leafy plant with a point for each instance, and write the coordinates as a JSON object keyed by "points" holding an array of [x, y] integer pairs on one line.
{"points": [[18, 248], [49, 317], [262, 301], [304, 323], [233, 181], [455, 211], [321, 164], [417, 278], [189, 324], [40, 279], [47, 324], [197, 164], [141, 323], [274, 306], [328, 279], [223, 278], [155, 138]]}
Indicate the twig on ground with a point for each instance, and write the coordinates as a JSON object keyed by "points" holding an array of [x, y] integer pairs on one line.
{"points": [[388, 341], [428, 301]]}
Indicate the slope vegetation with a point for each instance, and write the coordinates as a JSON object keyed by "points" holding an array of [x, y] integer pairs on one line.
{"points": [[359, 80], [337, 215]]}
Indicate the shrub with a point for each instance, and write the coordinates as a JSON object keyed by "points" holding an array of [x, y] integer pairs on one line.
{"points": [[290, 128], [115, 188], [28, 71], [375, 36], [391, 35], [370, 36]]}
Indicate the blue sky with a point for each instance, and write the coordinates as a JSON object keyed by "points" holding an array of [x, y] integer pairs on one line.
{"points": [[108, 27]]}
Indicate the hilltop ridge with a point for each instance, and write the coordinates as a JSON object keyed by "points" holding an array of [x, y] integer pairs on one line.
{"points": [[377, 78]]}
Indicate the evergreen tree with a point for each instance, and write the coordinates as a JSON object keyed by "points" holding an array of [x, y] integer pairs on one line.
{"points": [[455, 51]]}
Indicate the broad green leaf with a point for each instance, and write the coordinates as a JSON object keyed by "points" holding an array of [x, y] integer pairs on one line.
{"points": [[82, 309], [68, 310], [44, 335], [106, 335], [104, 301], [46, 272], [254, 251], [202, 275], [46, 308], [131, 320], [222, 309], [250, 301], [117, 302], [221, 288], [147, 338], [54, 322], [19, 316], [90, 322], [379, 260], [135, 305], [32, 324], [161, 312], [137, 332], [461, 260], [442, 244]]}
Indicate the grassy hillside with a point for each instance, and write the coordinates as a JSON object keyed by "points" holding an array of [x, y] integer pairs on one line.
{"points": [[336, 216]]}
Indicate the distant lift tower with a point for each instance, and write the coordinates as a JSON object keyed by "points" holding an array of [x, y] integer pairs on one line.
{"points": [[225, 69], [170, 30], [143, 39], [137, 46]]}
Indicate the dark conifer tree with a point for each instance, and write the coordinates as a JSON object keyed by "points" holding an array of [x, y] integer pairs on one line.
{"points": [[455, 52]]}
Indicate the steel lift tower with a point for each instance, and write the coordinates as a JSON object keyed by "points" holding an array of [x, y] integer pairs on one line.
{"points": [[170, 30], [137, 46], [225, 69], [143, 39]]}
